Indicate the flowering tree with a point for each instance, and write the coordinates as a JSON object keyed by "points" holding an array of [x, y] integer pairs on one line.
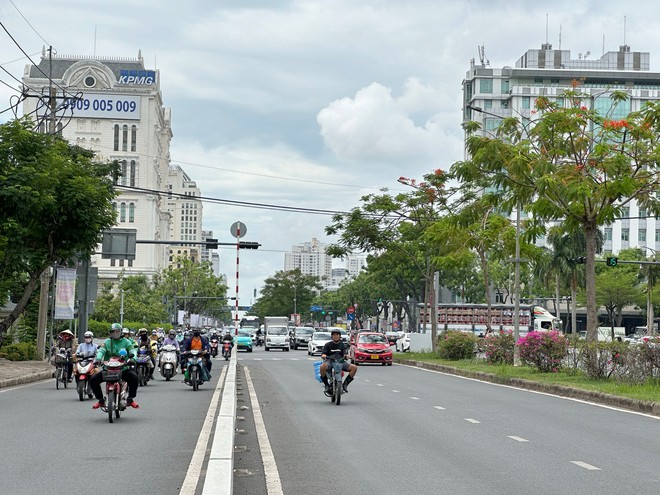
{"points": [[571, 164]]}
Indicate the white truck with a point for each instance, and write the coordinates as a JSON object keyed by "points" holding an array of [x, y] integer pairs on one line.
{"points": [[473, 318], [276, 329]]}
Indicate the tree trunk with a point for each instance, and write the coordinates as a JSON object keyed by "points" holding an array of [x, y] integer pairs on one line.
{"points": [[574, 329], [20, 306], [484, 269], [557, 301], [592, 310]]}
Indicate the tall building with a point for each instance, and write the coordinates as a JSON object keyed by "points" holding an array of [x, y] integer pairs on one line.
{"points": [[114, 107], [355, 263], [503, 92], [311, 259]]}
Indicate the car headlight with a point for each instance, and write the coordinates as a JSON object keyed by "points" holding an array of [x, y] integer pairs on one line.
{"points": [[362, 349]]}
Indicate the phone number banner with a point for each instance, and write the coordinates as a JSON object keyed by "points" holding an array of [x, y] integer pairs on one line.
{"points": [[106, 106]]}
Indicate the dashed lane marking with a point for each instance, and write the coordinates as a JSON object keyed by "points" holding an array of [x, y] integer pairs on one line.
{"points": [[439, 408], [586, 466], [473, 421], [414, 398], [517, 439]]}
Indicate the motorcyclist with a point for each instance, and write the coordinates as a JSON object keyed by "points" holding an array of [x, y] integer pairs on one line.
{"points": [[154, 335], [333, 350], [228, 338], [199, 342], [179, 336], [129, 334], [150, 345], [67, 341], [171, 340], [260, 336], [88, 348], [110, 349]]}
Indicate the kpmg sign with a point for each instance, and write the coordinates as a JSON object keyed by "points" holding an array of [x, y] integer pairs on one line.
{"points": [[137, 77]]}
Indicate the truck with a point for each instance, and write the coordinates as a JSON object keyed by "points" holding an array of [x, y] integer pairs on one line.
{"points": [[276, 329], [468, 317]]}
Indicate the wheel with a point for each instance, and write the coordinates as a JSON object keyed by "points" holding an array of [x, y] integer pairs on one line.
{"points": [[286, 349], [58, 377], [389, 364], [65, 380], [168, 375], [338, 391], [309, 353], [250, 349], [81, 390], [267, 348], [110, 404], [383, 364], [193, 379], [117, 411]]}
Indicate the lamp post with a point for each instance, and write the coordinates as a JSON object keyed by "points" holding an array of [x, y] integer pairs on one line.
{"points": [[650, 282], [121, 307]]}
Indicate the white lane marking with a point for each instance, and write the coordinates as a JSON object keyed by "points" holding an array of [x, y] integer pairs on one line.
{"points": [[395, 391], [473, 421], [517, 439], [195, 467], [273, 482], [294, 359], [367, 380], [276, 359], [414, 398], [440, 408], [586, 466], [380, 385], [573, 399], [257, 359]]}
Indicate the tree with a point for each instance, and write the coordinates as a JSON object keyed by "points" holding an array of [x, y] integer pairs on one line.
{"points": [[55, 202], [284, 290], [574, 166], [614, 290], [141, 302]]}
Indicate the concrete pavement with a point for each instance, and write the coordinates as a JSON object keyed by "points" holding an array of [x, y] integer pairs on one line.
{"points": [[19, 372]]}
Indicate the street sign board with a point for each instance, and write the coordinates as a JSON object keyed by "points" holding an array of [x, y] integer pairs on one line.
{"points": [[315, 308], [235, 228], [350, 310]]}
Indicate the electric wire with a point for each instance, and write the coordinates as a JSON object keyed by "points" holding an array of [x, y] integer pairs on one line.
{"points": [[28, 22]]}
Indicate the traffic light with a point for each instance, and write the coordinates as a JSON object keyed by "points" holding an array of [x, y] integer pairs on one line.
{"points": [[211, 244], [248, 245], [611, 261]]}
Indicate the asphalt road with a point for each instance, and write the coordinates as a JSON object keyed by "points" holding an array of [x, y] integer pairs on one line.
{"points": [[406, 430], [399, 430], [51, 443]]}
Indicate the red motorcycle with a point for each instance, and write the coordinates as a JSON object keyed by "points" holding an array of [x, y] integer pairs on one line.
{"points": [[214, 347], [226, 349], [83, 370], [116, 389]]}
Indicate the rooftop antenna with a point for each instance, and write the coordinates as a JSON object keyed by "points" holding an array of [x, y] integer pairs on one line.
{"points": [[546, 28], [482, 55], [624, 29], [603, 44], [560, 36]]}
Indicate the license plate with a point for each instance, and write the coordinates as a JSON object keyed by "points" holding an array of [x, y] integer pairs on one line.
{"points": [[375, 356]]}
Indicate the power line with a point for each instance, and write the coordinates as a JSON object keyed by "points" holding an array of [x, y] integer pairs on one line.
{"points": [[28, 22]]}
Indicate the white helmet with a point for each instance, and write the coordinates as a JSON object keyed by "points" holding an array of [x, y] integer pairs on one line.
{"points": [[89, 334]]}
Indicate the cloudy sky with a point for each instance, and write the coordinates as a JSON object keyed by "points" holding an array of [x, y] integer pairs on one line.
{"points": [[311, 103]]}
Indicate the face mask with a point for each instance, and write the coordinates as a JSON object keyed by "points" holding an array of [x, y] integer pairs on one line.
{"points": [[88, 340]]}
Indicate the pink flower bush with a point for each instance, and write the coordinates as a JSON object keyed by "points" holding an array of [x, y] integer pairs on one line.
{"points": [[543, 350]]}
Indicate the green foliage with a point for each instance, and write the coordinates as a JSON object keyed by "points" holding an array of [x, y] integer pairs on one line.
{"points": [[601, 359], [281, 290], [22, 351], [543, 350], [456, 345], [499, 347]]}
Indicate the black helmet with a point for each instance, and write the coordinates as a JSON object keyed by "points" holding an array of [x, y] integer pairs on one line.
{"points": [[335, 331]]}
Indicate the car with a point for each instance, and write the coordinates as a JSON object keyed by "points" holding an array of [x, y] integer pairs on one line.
{"points": [[243, 340], [317, 341], [370, 347], [300, 337], [403, 343], [392, 337]]}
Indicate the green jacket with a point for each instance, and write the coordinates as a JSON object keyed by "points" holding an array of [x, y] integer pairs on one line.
{"points": [[112, 347]]}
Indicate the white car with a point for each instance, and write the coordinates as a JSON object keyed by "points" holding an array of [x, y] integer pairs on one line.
{"points": [[402, 344], [316, 343]]}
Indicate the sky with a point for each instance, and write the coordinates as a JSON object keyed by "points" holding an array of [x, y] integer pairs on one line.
{"points": [[315, 103]]}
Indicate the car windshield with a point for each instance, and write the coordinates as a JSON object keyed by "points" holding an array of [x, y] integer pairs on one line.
{"points": [[372, 339], [244, 333], [321, 336], [304, 331], [278, 330]]}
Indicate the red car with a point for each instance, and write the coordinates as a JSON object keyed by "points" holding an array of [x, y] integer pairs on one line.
{"points": [[370, 347]]}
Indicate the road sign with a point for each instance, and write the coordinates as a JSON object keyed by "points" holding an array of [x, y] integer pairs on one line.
{"points": [[315, 308], [235, 227], [328, 318], [350, 316], [350, 310]]}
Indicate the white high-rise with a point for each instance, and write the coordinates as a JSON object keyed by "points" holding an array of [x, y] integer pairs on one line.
{"points": [[510, 91], [311, 259]]}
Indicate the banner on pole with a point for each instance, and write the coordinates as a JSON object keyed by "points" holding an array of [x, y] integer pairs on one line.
{"points": [[65, 292]]}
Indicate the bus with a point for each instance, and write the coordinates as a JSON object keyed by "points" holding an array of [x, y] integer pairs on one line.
{"points": [[250, 322]]}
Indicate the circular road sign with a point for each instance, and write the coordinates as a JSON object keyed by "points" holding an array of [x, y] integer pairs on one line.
{"points": [[235, 228]]}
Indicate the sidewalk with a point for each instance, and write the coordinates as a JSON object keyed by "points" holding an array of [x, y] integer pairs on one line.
{"points": [[19, 372]]}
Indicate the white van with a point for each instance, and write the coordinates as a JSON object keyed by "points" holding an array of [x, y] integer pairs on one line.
{"points": [[277, 337]]}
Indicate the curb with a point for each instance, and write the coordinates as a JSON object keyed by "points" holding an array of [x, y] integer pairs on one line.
{"points": [[646, 407], [20, 380]]}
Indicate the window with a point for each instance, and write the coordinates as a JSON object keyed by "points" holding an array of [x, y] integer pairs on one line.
{"points": [[642, 213], [641, 235], [488, 104], [124, 172], [122, 212], [525, 102], [608, 233], [485, 85], [132, 173], [133, 137], [560, 102], [112, 262], [505, 86], [492, 124], [625, 235], [625, 212], [657, 235], [124, 138], [131, 212], [116, 145]]}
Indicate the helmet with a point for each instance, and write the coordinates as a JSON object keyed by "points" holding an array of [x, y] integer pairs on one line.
{"points": [[115, 331], [66, 333], [142, 331], [172, 333], [154, 332], [126, 331], [332, 332], [89, 335]]}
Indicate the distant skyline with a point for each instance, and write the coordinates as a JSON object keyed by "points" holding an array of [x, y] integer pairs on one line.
{"points": [[311, 104]]}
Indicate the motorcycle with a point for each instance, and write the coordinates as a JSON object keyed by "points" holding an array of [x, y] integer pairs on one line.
{"points": [[336, 375], [61, 360], [168, 361], [193, 373], [143, 365], [259, 341], [226, 349], [83, 370], [116, 389], [214, 347]]}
